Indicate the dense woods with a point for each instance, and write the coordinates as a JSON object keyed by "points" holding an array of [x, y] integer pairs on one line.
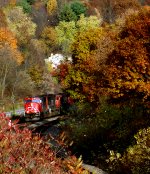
{"points": [[105, 69]]}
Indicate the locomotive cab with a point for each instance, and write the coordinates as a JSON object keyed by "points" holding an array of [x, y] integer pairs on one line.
{"points": [[33, 106]]}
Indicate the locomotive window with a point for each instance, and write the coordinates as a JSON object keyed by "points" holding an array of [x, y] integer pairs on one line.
{"points": [[36, 100], [27, 101]]}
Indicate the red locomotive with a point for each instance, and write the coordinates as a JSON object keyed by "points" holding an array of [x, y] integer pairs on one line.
{"points": [[42, 105], [51, 104]]}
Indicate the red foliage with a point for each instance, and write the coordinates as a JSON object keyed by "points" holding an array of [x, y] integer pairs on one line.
{"points": [[20, 151], [61, 71]]}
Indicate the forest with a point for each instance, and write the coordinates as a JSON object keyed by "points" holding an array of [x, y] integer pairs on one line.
{"points": [[105, 68]]}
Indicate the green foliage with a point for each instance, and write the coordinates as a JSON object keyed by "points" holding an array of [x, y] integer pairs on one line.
{"points": [[136, 159], [72, 12], [67, 31], [87, 23], [67, 14], [25, 5], [78, 8], [66, 34], [31, 1]]}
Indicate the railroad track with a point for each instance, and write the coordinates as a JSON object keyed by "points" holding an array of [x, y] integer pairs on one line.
{"points": [[35, 125]]}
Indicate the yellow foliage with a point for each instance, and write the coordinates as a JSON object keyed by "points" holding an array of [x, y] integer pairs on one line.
{"points": [[75, 165], [51, 6]]}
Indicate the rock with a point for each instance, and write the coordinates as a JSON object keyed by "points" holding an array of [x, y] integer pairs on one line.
{"points": [[93, 169]]}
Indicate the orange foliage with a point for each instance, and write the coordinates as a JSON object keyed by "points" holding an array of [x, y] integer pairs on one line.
{"points": [[8, 40], [6, 37], [129, 64]]}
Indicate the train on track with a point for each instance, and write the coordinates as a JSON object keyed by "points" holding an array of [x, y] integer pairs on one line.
{"points": [[46, 105]]}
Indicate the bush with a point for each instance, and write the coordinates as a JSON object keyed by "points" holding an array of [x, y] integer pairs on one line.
{"points": [[136, 159], [21, 152], [96, 131]]}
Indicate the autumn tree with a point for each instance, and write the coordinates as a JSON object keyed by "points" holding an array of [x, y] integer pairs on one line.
{"points": [[4, 3], [87, 23], [40, 16], [2, 19], [51, 6], [10, 57], [20, 24], [8, 40], [112, 9], [65, 34], [67, 31], [80, 81], [7, 67], [35, 59], [20, 84], [61, 72], [118, 64], [49, 37], [25, 5], [128, 70], [67, 14], [35, 73], [78, 8], [36, 53]]}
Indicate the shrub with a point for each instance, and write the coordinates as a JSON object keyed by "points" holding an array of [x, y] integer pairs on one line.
{"points": [[21, 152], [136, 159]]}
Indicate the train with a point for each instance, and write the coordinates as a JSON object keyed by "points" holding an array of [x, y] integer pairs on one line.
{"points": [[46, 105]]}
